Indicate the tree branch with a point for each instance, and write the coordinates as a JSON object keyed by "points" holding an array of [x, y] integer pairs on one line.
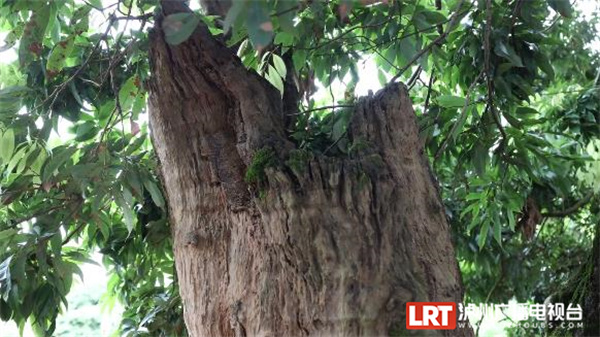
{"points": [[570, 210]]}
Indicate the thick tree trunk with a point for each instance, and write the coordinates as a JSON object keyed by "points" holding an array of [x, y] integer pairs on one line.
{"points": [[332, 249]]}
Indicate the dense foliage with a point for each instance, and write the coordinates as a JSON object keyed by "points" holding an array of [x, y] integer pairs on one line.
{"points": [[506, 93]]}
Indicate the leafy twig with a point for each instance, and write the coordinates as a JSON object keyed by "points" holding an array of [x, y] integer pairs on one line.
{"points": [[488, 73], [461, 116], [453, 21], [54, 95]]}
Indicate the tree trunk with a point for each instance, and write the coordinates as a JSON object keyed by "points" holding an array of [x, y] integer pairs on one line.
{"points": [[588, 287], [333, 247]]}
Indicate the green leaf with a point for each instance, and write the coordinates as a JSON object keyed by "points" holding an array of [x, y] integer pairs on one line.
{"points": [[474, 196], [125, 201], [5, 278], [299, 59], [179, 27], [449, 101], [237, 8], [5, 311], [543, 62], [288, 11], [59, 158], [339, 126], [155, 193], [103, 229], [31, 47], [514, 122], [58, 56], [7, 145], [242, 48], [80, 19], [503, 50], [563, 7], [483, 232], [132, 180], [511, 220], [480, 157], [11, 99], [16, 159], [524, 110], [275, 79], [498, 232], [24, 162], [381, 76], [258, 23], [407, 49], [420, 21], [434, 17], [128, 92], [279, 65], [86, 131], [139, 103], [6, 234]]}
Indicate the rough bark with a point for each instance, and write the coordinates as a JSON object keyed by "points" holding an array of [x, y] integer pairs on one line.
{"points": [[333, 248], [590, 283]]}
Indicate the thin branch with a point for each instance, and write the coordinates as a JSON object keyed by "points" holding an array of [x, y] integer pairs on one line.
{"points": [[431, 80], [381, 55], [486, 45], [79, 227], [36, 214], [285, 11], [438, 6], [570, 210], [514, 15], [350, 30], [323, 108], [335, 142], [426, 106], [118, 56], [377, 45], [142, 17], [75, 231], [552, 24], [437, 41], [413, 79], [98, 8]]}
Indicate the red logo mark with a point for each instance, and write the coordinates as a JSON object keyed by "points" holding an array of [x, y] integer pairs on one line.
{"points": [[431, 315]]}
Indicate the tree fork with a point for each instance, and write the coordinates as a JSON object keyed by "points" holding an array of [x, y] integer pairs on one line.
{"points": [[335, 249]]}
